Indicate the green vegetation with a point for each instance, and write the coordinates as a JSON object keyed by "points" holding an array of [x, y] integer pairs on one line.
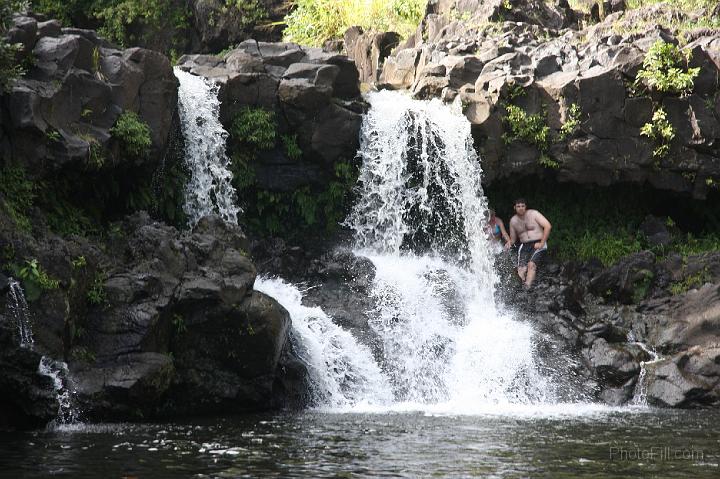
{"points": [[292, 150], [96, 292], [126, 22], [18, 195], [10, 68], [660, 130], [34, 278], [691, 281], [572, 123], [179, 324], [251, 11], [604, 224], [312, 22], [665, 69], [79, 262], [133, 134], [531, 129], [255, 128]]}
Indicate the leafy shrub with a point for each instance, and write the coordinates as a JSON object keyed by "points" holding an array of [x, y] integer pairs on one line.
{"points": [[691, 281], [572, 123], [133, 133], [660, 130], [531, 129], [664, 69], [254, 127], [34, 278], [157, 16], [251, 11], [312, 22], [96, 292]]}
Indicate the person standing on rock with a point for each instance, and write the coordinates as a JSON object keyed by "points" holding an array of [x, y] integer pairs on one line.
{"points": [[533, 230]]}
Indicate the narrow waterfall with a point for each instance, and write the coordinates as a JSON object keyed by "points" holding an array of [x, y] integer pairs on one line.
{"points": [[67, 413], [419, 218], [342, 371], [640, 392], [17, 309], [209, 190]]}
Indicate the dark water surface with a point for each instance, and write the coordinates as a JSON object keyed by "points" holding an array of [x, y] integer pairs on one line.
{"points": [[603, 444]]}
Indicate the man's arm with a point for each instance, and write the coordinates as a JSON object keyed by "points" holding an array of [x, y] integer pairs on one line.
{"points": [[503, 232], [513, 235], [546, 226]]}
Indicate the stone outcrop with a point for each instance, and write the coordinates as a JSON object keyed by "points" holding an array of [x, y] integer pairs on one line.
{"points": [[174, 327], [491, 53], [314, 94], [76, 88]]}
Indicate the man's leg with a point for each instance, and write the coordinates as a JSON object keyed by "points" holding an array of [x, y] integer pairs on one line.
{"points": [[522, 271], [531, 270]]}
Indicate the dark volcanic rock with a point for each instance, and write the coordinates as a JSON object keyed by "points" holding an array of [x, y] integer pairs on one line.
{"points": [[70, 98], [314, 95], [188, 295], [531, 54]]}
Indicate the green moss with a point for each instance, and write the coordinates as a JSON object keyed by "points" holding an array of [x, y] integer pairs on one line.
{"points": [[133, 134], [294, 213]]}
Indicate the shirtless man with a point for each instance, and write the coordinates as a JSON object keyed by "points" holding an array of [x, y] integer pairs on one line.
{"points": [[533, 229]]}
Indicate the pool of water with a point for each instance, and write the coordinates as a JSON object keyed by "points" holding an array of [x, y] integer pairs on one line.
{"points": [[562, 442]]}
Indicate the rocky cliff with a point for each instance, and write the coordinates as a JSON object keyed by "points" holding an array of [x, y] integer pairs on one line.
{"points": [[548, 98]]}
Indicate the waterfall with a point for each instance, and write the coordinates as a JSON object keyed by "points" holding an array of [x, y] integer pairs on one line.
{"points": [[342, 372], [640, 393], [209, 190], [18, 310], [64, 392], [419, 218]]}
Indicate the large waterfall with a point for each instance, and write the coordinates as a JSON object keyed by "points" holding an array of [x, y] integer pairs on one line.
{"points": [[209, 190], [419, 217]]}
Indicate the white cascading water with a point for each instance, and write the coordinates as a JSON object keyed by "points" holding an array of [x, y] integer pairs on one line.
{"points": [[342, 372], [640, 393], [67, 413], [419, 218], [18, 310], [209, 190]]}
